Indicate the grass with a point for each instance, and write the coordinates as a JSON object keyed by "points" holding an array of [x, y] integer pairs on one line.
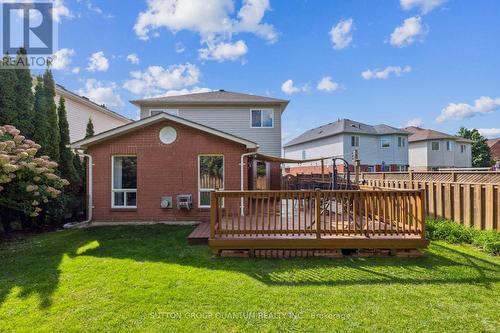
{"points": [[456, 233], [148, 279]]}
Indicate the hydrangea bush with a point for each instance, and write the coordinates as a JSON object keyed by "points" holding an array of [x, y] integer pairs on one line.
{"points": [[26, 181]]}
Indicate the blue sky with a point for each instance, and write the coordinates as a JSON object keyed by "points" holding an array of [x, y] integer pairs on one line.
{"points": [[430, 62]]}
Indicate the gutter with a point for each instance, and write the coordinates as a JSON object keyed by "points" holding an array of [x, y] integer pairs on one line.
{"points": [[89, 202]]}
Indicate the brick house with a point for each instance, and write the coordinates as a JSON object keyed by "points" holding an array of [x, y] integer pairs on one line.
{"points": [[494, 145], [140, 168]]}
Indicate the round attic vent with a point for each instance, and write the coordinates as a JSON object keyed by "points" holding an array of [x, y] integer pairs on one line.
{"points": [[168, 135]]}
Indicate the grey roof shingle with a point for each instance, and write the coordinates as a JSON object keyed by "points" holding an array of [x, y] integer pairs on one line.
{"points": [[220, 96], [344, 126], [421, 134]]}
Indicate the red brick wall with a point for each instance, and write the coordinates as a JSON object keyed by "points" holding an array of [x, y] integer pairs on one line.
{"points": [[162, 170]]}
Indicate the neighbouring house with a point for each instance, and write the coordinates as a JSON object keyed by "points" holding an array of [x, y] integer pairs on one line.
{"points": [[432, 150], [380, 147], [494, 145], [164, 166], [80, 109], [252, 117]]}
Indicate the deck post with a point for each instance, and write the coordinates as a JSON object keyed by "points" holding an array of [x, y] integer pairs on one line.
{"points": [[422, 211], [317, 214], [213, 213]]}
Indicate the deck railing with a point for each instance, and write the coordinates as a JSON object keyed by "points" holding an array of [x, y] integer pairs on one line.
{"points": [[317, 214]]}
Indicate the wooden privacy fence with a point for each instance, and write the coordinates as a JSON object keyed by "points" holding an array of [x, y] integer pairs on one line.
{"points": [[317, 214], [475, 205], [470, 177]]}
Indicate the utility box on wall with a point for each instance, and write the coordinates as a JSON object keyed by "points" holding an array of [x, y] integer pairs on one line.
{"points": [[166, 202]]}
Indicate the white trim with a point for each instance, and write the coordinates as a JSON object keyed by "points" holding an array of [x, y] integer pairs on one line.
{"points": [[208, 189], [168, 111], [261, 123], [125, 190], [150, 120]]}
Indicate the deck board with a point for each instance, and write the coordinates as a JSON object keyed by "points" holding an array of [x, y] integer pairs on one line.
{"points": [[200, 234]]}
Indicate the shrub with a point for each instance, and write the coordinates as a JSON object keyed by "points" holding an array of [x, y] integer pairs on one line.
{"points": [[26, 181], [488, 241]]}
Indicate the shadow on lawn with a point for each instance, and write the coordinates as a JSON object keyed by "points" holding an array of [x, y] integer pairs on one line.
{"points": [[36, 269]]}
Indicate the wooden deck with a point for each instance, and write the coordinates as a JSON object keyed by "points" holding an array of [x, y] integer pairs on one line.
{"points": [[200, 234], [316, 220]]}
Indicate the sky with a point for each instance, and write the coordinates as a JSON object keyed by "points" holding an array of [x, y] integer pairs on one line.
{"points": [[430, 63]]}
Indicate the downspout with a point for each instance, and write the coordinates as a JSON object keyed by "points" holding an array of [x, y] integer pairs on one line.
{"points": [[242, 186], [89, 202]]}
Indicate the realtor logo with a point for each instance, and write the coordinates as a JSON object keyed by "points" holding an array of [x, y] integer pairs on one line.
{"points": [[29, 25]]}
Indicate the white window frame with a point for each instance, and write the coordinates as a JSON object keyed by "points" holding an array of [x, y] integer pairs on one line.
{"points": [[402, 168], [382, 142], [123, 190], [371, 168], [439, 146], [463, 149], [450, 143], [261, 123], [173, 112], [356, 140], [212, 189], [401, 141]]}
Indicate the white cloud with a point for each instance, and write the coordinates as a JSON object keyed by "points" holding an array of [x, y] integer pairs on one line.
{"points": [[156, 80], [417, 122], [133, 58], [209, 18], [75, 70], [92, 7], [59, 10], [102, 93], [288, 88], [179, 47], [326, 84], [223, 51], [407, 33], [385, 73], [62, 59], [490, 133], [425, 6], [341, 34], [98, 62], [481, 106]]}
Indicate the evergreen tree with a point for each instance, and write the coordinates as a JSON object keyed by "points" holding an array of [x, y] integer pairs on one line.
{"points": [[51, 109], [25, 120], [90, 129], [66, 164], [481, 155], [8, 80], [40, 133]]}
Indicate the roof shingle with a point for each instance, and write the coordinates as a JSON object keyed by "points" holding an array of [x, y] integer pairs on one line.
{"points": [[344, 126]]}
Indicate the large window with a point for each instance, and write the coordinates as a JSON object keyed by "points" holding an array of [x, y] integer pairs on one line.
{"points": [[354, 141], [435, 145], [385, 142], [262, 118], [211, 177], [124, 183], [449, 145]]}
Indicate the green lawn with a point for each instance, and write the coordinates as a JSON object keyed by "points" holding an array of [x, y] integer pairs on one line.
{"points": [[148, 278]]}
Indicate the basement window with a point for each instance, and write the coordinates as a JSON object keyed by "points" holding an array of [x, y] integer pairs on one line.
{"points": [[124, 182]]}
